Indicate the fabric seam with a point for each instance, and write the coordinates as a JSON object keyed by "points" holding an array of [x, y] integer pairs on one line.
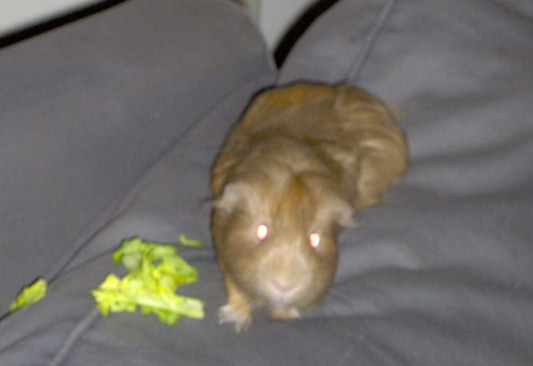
{"points": [[360, 59], [74, 335]]}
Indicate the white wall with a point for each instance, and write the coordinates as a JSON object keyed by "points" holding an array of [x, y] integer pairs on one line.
{"points": [[18, 14], [275, 17]]}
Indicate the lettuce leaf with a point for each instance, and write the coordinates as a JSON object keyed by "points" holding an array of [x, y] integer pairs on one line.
{"points": [[30, 295], [184, 240], [155, 272]]}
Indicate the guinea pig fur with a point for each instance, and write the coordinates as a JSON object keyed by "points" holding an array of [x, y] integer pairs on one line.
{"points": [[289, 177]]}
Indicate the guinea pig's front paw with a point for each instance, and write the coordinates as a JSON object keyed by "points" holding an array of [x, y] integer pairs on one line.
{"points": [[284, 314], [240, 317]]}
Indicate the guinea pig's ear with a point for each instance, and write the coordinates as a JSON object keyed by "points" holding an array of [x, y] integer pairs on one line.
{"points": [[344, 213], [229, 198]]}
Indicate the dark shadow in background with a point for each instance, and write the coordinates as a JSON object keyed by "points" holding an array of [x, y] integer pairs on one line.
{"points": [[15, 37], [299, 27], [280, 53]]}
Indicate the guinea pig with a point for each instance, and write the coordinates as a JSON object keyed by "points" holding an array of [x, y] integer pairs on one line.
{"points": [[289, 177]]}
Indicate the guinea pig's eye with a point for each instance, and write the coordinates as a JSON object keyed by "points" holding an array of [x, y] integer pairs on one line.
{"points": [[314, 239], [261, 232]]}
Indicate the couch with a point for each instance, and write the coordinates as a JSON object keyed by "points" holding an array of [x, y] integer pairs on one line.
{"points": [[110, 124]]}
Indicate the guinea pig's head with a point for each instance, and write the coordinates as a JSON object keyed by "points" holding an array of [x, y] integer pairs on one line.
{"points": [[278, 239]]}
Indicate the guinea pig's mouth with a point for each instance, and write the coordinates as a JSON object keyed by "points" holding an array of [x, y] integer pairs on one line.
{"points": [[283, 293]]}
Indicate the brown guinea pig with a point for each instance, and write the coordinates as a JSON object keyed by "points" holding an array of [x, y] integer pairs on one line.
{"points": [[289, 177]]}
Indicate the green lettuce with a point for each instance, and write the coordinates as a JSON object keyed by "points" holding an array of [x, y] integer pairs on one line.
{"points": [[190, 242], [155, 272], [29, 295]]}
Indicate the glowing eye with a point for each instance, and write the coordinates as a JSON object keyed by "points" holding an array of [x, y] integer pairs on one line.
{"points": [[314, 240], [262, 232]]}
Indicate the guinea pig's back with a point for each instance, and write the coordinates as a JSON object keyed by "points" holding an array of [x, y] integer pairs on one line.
{"points": [[343, 123]]}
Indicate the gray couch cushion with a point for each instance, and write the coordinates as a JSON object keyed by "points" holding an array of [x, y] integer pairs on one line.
{"points": [[442, 272], [65, 327], [88, 107]]}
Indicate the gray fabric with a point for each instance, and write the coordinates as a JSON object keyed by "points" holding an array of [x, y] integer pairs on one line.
{"points": [[167, 201], [440, 273], [88, 107]]}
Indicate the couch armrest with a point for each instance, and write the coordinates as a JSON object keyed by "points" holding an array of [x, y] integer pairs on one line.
{"points": [[88, 107]]}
